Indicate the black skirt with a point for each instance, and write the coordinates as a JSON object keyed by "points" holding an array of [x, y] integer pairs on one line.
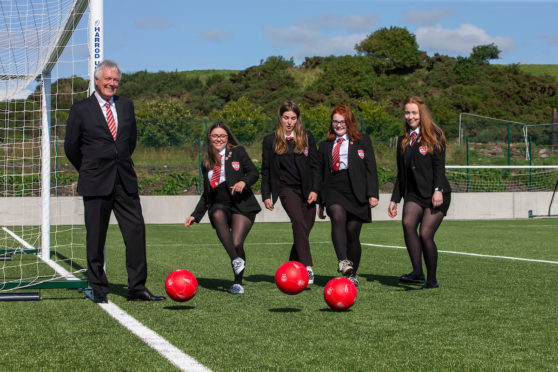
{"points": [[413, 195], [223, 199], [339, 191]]}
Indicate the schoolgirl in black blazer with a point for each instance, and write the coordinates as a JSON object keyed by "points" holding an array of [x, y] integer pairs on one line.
{"points": [[421, 181], [349, 186], [228, 174], [289, 172]]}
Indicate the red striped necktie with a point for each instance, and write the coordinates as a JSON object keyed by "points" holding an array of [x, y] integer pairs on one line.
{"points": [[413, 138], [216, 174], [110, 121], [335, 157]]}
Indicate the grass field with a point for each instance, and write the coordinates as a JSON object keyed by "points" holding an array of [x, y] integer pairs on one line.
{"points": [[551, 70], [488, 314]]}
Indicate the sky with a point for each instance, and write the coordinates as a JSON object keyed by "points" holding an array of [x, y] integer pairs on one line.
{"points": [[169, 35]]}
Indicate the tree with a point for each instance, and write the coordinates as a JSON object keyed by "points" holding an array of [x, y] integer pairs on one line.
{"points": [[163, 122], [483, 53], [395, 45], [316, 119], [243, 117], [376, 121]]}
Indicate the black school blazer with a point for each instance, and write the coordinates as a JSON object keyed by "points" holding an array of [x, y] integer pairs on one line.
{"points": [[307, 164], [238, 167], [363, 174], [429, 171]]}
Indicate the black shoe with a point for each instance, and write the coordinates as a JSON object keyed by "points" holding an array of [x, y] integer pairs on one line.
{"points": [[430, 285], [410, 278], [143, 295], [99, 298]]}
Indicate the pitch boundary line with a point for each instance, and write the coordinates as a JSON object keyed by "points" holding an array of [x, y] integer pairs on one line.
{"points": [[471, 254], [174, 355]]}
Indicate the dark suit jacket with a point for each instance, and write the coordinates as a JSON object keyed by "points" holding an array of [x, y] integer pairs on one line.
{"points": [[238, 167], [363, 174], [306, 163], [429, 171], [96, 155]]}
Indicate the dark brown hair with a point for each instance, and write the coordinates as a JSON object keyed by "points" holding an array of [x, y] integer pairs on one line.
{"points": [[211, 157]]}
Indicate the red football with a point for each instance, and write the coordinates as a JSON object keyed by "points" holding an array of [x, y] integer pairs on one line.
{"points": [[181, 285], [291, 277], [340, 293]]}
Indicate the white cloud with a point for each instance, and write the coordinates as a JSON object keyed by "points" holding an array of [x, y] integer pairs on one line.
{"points": [[152, 23], [216, 34], [460, 40], [326, 35], [427, 17]]}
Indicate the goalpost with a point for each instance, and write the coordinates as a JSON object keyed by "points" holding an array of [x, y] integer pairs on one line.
{"points": [[49, 51]]}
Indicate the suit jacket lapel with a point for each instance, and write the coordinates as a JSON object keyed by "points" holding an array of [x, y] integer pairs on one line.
{"points": [[329, 148], [120, 115], [99, 116]]}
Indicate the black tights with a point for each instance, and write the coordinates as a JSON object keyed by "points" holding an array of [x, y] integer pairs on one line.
{"points": [[232, 229], [345, 234], [423, 242]]}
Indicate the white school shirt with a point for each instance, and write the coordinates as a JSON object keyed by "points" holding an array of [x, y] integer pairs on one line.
{"points": [[102, 102], [222, 178], [343, 151]]}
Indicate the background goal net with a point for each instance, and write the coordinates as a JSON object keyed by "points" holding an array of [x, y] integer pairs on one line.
{"points": [[44, 69]]}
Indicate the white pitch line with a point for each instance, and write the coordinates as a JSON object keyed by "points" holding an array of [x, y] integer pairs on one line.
{"points": [[471, 254], [181, 360], [174, 355]]}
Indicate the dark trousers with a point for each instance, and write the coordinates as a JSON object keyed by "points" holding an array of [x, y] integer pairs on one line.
{"points": [[302, 218], [127, 210]]}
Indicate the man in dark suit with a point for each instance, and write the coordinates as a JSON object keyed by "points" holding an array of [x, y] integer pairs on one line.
{"points": [[100, 140]]}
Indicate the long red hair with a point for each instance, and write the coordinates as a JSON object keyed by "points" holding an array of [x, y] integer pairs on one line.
{"points": [[431, 135], [350, 121]]}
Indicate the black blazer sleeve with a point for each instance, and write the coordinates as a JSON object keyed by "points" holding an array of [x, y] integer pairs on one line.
{"points": [[314, 159], [268, 156], [399, 186], [439, 170], [372, 189], [202, 205], [251, 173]]}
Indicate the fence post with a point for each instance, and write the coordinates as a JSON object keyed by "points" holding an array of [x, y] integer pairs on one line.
{"points": [[467, 138], [200, 150], [509, 145], [530, 163]]}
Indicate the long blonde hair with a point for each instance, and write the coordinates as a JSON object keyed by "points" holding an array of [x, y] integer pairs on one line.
{"points": [[431, 135], [299, 134]]}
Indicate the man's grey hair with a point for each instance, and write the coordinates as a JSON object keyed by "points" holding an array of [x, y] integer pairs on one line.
{"points": [[108, 64]]}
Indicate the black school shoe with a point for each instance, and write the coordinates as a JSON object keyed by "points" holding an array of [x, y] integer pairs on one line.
{"points": [[410, 278], [430, 285]]}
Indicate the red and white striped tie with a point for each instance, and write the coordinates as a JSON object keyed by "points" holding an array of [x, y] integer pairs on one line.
{"points": [[413, 138], [216, 174], [335, 157], [110, 121]]}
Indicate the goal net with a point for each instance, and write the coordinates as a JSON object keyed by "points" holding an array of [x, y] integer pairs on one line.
{"points": [[497, 178], [44, 69]]}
